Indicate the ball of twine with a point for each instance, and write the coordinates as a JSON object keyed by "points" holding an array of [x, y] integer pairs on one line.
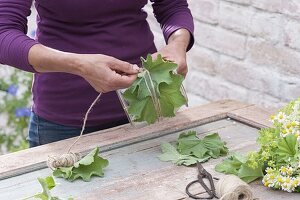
{"points": [[232, 187], [65, 160], [70, 158]]}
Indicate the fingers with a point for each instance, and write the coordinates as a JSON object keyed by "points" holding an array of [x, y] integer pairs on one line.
{"points": [[154, 56], [123, 67], [182, 71], [123, 81]]}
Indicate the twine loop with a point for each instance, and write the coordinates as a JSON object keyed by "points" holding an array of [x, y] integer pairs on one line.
{"points": [[70, 158], [150, 86]]}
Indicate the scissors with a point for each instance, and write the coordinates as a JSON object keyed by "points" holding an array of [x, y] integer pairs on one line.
{"points": [[202, 174]]}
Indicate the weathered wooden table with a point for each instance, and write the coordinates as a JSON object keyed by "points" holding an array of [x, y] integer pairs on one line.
{"points": [[134, 171]]}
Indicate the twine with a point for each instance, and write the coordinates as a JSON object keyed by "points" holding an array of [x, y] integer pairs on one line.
{"points": [[151, 89], [69, 159], [232, 187]]}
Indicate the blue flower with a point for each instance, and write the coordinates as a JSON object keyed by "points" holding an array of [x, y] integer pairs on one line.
{"points": [[32, 34], [22, 112], [12, 89]]}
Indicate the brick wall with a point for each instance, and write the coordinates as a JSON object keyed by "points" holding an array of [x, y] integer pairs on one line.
{"points": [[247, 50]]}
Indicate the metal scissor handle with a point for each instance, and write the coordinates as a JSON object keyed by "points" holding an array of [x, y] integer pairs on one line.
{"points": [[202, 173]]}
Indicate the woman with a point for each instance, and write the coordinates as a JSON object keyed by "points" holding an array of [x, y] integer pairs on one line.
{"points": [[83, 48]]}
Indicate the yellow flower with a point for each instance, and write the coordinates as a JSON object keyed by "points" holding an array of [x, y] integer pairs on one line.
{"points": [[272, 118], [269, 170], [283, 170], [294, 123], [295, 182], [280, 179], [266, 183], [290, 171]]}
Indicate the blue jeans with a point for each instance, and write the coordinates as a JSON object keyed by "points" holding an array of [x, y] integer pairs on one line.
{"points": [[42, 131]]}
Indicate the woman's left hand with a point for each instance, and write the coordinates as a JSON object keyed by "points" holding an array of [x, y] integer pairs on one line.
{"points": [[175, 50]]}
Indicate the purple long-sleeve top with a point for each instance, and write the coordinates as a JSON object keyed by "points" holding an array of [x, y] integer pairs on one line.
{"points": [[116, 28]]}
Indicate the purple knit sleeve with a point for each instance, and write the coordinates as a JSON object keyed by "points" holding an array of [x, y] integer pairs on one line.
{"points": [[14, 44], [173, 15]]}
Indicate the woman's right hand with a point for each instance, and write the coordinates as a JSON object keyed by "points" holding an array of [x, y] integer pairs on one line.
{"points": [[106, 73], [103, 73]]}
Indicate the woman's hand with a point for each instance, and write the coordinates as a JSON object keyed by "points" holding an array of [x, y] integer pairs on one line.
{"points": [[175, 50], [104, 73]]}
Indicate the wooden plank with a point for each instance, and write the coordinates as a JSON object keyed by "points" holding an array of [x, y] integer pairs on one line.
{"points": [[168, 183], [135, 172], [253, 116], [34, 158], [135, 160]]}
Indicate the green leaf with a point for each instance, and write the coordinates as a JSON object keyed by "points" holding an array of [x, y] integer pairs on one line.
{"points": [[63, 172], [232, 164], [171, 98], [215, 145], [159, 69], [249, 174], [189, 143], [237, 164], [50, 182], [90, 165], [171, 154], [287, 148], [210, 145], [47, 184], [191, 149], [160, 78]]}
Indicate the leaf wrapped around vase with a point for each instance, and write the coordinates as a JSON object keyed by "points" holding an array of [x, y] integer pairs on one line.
{"points": [[156, 93]]}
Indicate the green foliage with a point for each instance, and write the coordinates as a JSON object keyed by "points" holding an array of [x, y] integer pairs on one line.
{"points": [[90, 165], [47, 184], [278, 159], [288, 148], [211, 145], [157, 88], [232, 164], [13, 134], [169, 153], [191, 149], [272, 147], [249, 174], [236, 164]]}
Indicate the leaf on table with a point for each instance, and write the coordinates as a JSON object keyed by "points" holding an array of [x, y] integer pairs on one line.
{"points": [[171, 154], [189, 143], [232, 164], [166, 87], [190, 149], [47, 184], [211, 145], [90, 165], [215, 145], [236, 164], [248, 174], [63, 172]]}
